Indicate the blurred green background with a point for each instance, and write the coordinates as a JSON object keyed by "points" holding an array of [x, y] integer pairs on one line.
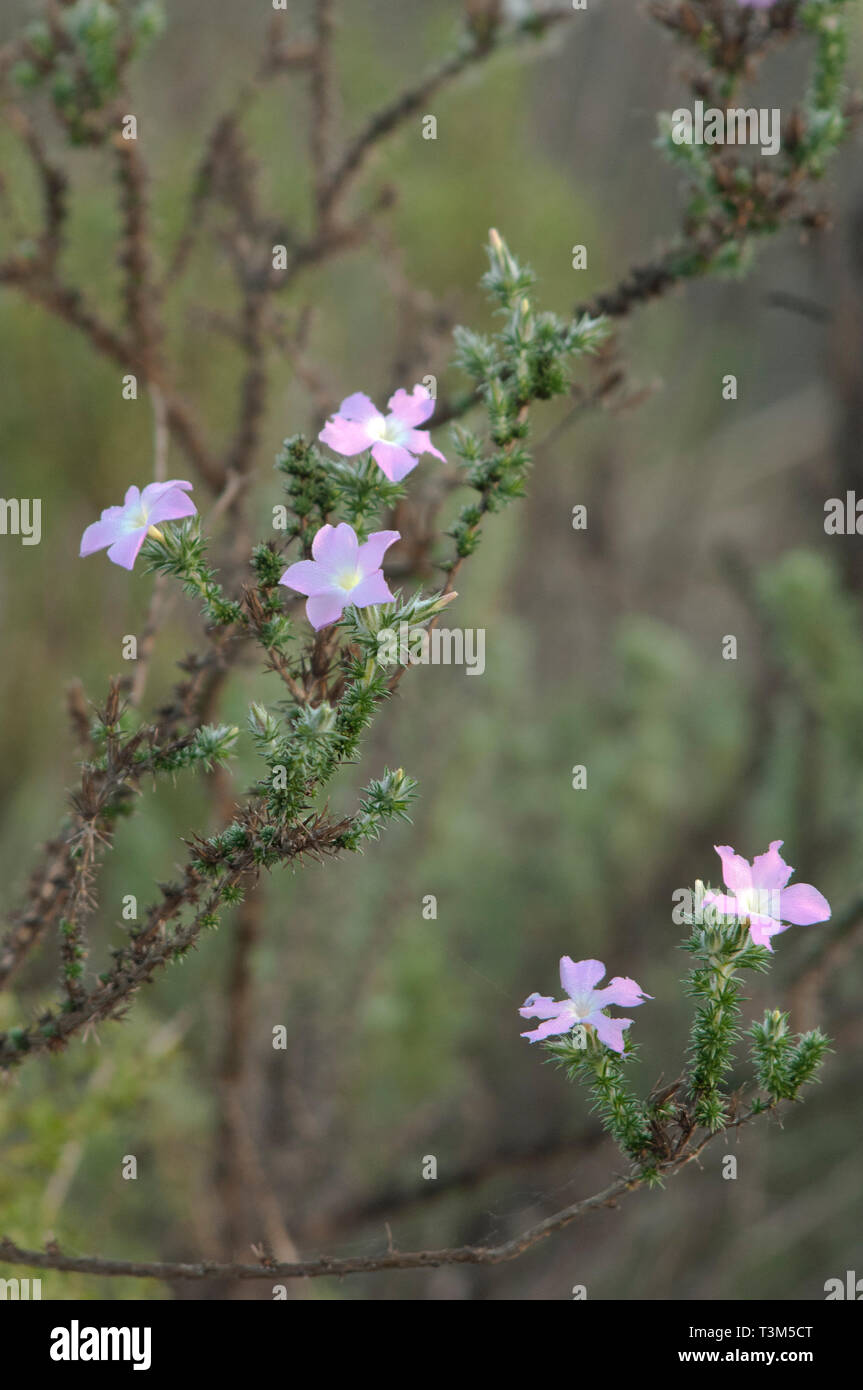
{"points": [[603, 648]]}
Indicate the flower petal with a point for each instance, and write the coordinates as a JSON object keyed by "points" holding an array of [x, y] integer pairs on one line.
{"points": [[581, 977], [373, 588], [419, 442], [171, 506], [306, 577], [610, 1030], [393, 460], [803, 905], [346, 437], [125, 549], [761, 929], [102, 532], [370, 555], [735, 869], [323, 609], [413, 409], [625, 992], [153, 491], [562, 1023], [543, 1006], [722, 903], [770, 870], [358, 407], [336, 547]]}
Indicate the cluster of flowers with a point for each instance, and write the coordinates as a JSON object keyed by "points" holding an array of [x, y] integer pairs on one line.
{"points": [[341, 571], [749, 886]]}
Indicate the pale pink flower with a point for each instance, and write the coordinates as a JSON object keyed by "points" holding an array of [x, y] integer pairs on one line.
{"points": [[124, 529], [585, 1003], [341, 572], [758, 892], [394, 440]]}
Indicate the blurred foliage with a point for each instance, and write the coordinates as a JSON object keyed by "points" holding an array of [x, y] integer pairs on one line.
{"points": [[603, 649]]}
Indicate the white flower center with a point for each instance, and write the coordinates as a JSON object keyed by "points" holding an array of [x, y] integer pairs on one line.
{"points": [[757, 902], [348, 579], [387, 428], [582, 1007], [744, 901]]}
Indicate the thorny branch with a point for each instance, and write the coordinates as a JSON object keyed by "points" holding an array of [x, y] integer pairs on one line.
{"points": [[326, 1266], [62, 891]]}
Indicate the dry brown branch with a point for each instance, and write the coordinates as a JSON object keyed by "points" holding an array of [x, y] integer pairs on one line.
{"points": [[327, 1266], [152, 946], [414, 100]]}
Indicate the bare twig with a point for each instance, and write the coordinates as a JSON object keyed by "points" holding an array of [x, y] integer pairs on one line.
{"points": [[414, 99], [322, 115], [325, 1266]]}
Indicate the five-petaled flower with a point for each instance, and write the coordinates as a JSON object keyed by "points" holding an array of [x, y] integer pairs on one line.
{"points": [[394, 440], [585, 1003], [341, 572], [124, 529], [758, 893]]}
